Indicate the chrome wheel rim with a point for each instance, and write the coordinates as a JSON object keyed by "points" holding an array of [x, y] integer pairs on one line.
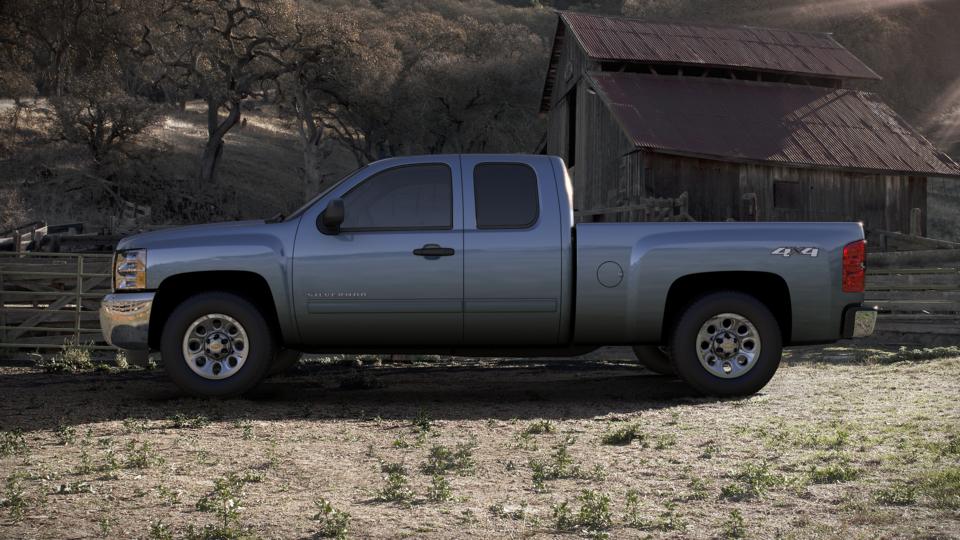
{"points": [[728, 345], [215, 346]]}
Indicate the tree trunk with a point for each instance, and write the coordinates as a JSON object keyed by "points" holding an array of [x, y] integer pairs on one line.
{"points": [[216, 131]]}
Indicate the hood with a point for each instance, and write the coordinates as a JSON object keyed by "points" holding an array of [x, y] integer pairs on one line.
{"points": [[190, 233]]}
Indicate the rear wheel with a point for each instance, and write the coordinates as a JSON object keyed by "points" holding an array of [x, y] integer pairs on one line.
{"points": [[727, 344], [656, 359], [217, 345]]}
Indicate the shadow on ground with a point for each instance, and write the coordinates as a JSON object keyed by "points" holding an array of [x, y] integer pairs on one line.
{"points": [[454, 389]]}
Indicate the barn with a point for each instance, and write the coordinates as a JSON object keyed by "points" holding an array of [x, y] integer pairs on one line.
{"points": [[663, 121]]}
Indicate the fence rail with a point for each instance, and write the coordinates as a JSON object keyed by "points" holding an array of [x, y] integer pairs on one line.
{"points": [[918, 294], [48, 299]]}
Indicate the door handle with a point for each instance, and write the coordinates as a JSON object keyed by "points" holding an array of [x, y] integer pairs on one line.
{"points": [[433, 250]]}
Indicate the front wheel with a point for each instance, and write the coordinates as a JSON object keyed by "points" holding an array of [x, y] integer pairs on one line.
{"points": [[217, 344], [727, 344]]}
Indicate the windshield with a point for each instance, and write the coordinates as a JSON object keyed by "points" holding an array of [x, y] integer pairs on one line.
{"points": [[296, 213]]}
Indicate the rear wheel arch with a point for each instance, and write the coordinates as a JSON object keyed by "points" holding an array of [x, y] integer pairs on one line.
{"points": [[769, 288], [176, 289]]}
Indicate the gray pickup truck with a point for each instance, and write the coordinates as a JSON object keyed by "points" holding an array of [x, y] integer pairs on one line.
{"points": [[479, 255]]}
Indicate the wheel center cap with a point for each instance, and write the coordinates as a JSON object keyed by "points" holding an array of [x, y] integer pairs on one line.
{"points": [[726, 345], [218, 345]]}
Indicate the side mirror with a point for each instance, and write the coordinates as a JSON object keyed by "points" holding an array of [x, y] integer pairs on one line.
{"points": [[332, 217]]}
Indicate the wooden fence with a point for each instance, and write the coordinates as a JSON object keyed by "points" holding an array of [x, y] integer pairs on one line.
{"points": [[47, 299], [918, 294]]}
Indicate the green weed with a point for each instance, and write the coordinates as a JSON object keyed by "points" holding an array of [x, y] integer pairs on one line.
{"points": [[73, 357], [624, 435], [12, 443], [14, 498], [439, 490], [396, 487], [734, 527], [539, 427], [442, 459], [332, 523], [753, 481], [182, 421], [159, 531], [897, 495], [593, 518], [943, 487], [66, 434]]}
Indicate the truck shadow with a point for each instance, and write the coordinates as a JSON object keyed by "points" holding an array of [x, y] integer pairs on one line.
{"points": [[495, 390]]}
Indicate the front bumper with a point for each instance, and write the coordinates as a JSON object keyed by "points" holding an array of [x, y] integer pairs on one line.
{"points": [[859, 322], [125, 319]]}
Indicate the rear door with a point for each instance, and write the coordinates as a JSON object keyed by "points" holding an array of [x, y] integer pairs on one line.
{"points": [[512, 249], [393, 276]]}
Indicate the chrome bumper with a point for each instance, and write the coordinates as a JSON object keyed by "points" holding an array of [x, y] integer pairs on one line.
{"points": [[125, 319], [859, 322]]}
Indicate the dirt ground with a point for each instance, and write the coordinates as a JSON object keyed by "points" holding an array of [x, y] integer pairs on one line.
{"points": [[834, 447]]}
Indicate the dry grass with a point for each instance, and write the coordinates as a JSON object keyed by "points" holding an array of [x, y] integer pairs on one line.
{"points": [[834, 447]]}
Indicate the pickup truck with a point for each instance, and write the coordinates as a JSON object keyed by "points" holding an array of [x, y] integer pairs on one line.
{"points": [[480, 255]]}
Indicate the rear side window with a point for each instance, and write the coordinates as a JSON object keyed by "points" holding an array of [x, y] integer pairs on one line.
{"points": [[506, 196], [402, 198]]}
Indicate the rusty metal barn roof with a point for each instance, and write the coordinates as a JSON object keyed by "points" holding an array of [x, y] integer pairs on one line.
{"points": [[794, 125], [766, 49]]}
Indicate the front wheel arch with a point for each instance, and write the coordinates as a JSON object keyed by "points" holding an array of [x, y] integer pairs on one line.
{"points": [[177, 288]]}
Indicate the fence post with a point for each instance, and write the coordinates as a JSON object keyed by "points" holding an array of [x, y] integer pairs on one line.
{"points": [[76, 326], [3, 309]]}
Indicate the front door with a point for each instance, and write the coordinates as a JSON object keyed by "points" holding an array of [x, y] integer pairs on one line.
{"points": [[393, 275]]}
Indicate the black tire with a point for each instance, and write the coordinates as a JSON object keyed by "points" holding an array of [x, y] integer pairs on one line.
{"points": [[684, 343], [654, 358], [284, 361], [261, 349]]}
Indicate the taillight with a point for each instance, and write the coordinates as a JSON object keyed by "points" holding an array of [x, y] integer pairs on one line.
{"points": [[854, 266]]}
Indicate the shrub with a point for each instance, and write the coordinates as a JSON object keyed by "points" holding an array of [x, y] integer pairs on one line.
{"points": [[624, 435], [539, 427], [332, 522], [593, 517], [442, 459], [12, 442], [734, 526], [72, 358], [439, 490], [897, 495]]}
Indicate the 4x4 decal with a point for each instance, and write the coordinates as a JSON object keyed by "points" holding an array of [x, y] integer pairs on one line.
{"points": [[788, 251]]}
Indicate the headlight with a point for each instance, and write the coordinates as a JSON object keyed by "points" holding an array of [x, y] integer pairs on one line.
{"points": [[130, 270]]}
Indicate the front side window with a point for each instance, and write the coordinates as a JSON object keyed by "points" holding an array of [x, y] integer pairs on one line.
{"points": [[506, 196], [407, 197]]}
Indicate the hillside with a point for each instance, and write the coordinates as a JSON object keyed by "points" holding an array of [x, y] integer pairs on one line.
{"points": [[60, 183]]}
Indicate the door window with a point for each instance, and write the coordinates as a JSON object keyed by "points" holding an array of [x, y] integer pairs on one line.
{"points": [[506, 196], [411, 197]]}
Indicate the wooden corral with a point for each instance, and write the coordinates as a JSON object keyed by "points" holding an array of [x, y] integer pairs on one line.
{"points": [[918, 295], [49, 299]]}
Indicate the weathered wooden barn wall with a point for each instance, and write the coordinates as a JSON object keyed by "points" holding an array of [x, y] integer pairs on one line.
{"points": [[717, 189], [599, 180], [572, 66]]}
